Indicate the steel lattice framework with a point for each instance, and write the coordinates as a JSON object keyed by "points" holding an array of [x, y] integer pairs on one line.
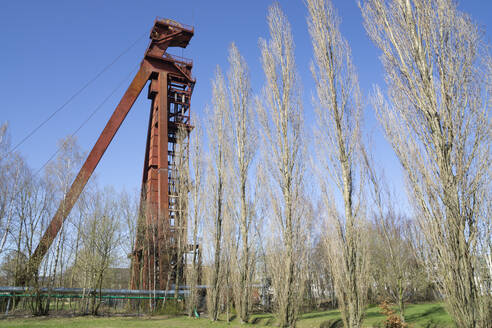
{"points": [[170, 90]]}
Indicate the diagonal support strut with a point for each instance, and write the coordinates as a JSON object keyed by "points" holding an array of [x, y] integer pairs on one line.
{"points": [[86, 171]]}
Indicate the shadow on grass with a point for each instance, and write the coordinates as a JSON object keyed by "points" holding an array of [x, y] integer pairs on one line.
{"points": [[265, 319], [313, 315], [335, 323], [426, 314], [432, 324]]}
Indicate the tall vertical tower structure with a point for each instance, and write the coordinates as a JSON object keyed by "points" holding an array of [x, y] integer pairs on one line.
{"points": [[161, 228]]}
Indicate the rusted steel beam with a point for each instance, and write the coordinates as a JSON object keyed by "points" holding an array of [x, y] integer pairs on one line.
{"points": [[165, 65], [87, 169]]}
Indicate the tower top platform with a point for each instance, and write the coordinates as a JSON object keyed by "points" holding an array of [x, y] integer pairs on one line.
{"points": [[170, 32]]}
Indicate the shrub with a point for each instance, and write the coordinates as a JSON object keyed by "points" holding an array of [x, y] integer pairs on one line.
{"points": [[392, 320]]}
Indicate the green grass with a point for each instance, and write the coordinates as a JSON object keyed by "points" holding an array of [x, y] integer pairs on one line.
{"points": [[418, 315]]}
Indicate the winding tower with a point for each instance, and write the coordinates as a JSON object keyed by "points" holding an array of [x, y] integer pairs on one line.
{"points": [[161, 230], [161, 226]]}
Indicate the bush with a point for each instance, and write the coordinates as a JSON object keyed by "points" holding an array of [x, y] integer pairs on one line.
{"points": [[171, 307], [392, 319]]}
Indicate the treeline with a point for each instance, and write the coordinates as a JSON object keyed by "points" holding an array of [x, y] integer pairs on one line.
{"points": [[287, 230], [97, 235]]}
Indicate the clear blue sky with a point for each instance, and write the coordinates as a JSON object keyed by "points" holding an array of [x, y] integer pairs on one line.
{"points": [[49, 49]]}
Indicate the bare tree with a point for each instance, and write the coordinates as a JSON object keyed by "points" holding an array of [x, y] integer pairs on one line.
{"points": [[101, 236], [196, 213], [129, 207], [180, 192], [339, 112], [397, 273], [217, 133], [262, 212], [9, 181], [15, 178], [32, 208], [77, 221], [280, 113], [230, 250], [321, 279], [396, 266], [24, 206], [31, 211], [243, 151], [59, 175], [437, 120]]}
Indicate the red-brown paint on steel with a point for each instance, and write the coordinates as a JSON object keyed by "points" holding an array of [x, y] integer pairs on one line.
{"points": [[165, 33]]}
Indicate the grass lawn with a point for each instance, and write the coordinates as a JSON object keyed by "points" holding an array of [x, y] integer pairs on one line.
{"points": [[418, 315]]}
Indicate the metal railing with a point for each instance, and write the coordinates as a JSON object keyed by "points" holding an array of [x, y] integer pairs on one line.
{"points": [[15, 291], [110, 298], [178, 59], [172, 22]]}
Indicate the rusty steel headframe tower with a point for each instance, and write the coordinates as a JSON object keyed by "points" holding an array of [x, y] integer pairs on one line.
{"points": [[156, 250], [170, 90]]}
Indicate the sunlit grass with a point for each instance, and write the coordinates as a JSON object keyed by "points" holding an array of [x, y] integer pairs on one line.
{"points": [[418, 315]]}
